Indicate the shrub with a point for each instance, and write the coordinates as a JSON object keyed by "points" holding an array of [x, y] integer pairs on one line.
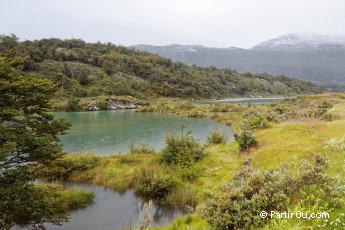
{"points": [[74, 105], [142, 148], [216, 137], [337, 144], [256, 121], [189, 174], [245, 139], [153, 183], [324, 105], [181, 150], [240, 202], [64, 167], [102, 105]]}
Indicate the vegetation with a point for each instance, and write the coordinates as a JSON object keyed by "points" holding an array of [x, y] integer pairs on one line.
{"points": [[83, 69], [181, 150], [252, 191], [245, 139], [143, 148], [321, 65], [218, 182], [285, 173], [216, 137], [28, 141]]}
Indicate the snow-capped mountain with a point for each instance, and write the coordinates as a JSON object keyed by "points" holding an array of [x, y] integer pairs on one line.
{"points": [[293, 42], [316, 58]]}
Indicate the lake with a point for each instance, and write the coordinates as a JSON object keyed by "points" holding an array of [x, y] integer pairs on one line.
{"points": [[245, 101], [107, 132], [112, 131]]}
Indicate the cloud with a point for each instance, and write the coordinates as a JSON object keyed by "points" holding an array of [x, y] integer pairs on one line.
{"points": [[219, 23]]}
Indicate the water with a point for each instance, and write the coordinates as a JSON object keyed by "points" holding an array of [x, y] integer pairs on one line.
{"points": [[107, 132], [244, 101], [110, 211]]}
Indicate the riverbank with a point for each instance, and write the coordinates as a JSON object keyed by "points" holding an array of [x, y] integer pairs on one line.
{"points": [[299, 128], [99, 103]]}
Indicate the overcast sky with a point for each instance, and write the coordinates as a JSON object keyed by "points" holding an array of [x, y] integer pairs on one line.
{"points": [[217, 23]]}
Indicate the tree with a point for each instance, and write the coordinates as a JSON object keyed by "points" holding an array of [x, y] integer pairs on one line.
{"points": [[28, 140]]}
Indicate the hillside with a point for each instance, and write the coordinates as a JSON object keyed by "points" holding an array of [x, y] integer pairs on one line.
{"points": [[315, 58], [93, 69]]}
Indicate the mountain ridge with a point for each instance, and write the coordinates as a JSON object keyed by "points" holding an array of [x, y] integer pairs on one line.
{"points": [[317, 59], [93, 69]]}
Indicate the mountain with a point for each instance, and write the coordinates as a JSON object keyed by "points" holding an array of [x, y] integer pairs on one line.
{"points": [[316, 58], [93, 69], [303, 43]]}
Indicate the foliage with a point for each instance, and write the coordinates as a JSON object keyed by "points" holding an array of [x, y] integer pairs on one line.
{"points": [[216, 137], [153, 183], [245, 139], [338, 144], [142, 148], [63, 168], [83, 69], [182, 196], [28, 139], [73, 105], [256, 121], [187, 222], [253, 190], [181, 150], [28, 204]]}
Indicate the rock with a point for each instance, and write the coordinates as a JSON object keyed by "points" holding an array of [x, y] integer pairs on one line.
{"points": [[93, 106], [113, 105]]}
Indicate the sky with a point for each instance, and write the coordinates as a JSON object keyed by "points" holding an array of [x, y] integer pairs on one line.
{"points": [[214, 23]]}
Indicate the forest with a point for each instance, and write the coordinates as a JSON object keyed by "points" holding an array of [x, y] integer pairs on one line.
{"points": [[82, 69]]}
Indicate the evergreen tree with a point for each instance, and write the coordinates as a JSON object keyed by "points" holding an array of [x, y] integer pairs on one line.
{"points": [[28, 140]]}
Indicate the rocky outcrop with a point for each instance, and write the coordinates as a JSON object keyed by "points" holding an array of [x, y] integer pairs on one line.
{"points": [[110, 104], [113, 105]]}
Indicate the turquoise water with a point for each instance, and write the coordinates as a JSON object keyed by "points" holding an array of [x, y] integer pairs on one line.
{"points": [[244, 101], [107, 132]]}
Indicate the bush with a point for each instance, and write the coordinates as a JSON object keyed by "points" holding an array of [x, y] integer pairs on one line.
{"points": [[153, 183], [240, 202], [190, 174], [63, 168], [181, 150], [73, 105], [142, 148], [245, 139], [216, 137], [256, 121]]}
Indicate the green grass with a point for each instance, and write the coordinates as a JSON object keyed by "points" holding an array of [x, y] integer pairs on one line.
{"points": [[193, 185], [293, 141], [189, 222], [63, 201], [290, 141]]}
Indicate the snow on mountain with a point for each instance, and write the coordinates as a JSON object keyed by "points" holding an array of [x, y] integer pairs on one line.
{"points": [[295, 42]]}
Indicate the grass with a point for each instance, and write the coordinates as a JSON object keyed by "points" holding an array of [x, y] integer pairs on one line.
{"points": [[63, 201], [296, 138], [190, 186], [292, 141], [189, 222]]}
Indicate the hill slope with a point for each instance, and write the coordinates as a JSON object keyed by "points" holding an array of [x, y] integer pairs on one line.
{"points": [[319, 59], [85, 69]]}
